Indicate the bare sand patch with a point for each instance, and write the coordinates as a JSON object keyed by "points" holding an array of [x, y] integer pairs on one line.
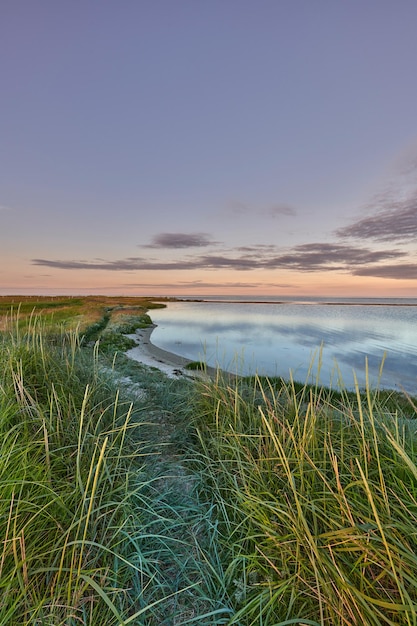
{"points": [[145, 352]]}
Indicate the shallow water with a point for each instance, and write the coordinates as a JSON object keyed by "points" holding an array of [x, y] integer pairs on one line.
{"points": [[276, 338]]}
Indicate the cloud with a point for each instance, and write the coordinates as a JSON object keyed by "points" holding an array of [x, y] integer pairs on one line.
{"points": [[324, 256], [303, 258], [391, 218], [181, 240], [130, 264], [240, 208], [391, 215], [5, 208], [404, 271], [280, 209], [198, 284], [87, 265], [399, 223], [256, 249]]}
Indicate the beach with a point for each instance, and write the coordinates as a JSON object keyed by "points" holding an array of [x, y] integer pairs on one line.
{"points": [[145, 352]]}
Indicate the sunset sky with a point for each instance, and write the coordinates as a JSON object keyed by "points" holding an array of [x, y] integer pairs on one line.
{"points": [[191, 147]]}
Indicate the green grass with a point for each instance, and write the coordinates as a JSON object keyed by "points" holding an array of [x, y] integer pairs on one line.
{"points": [[130, 498], [65, 485], [90, 314], [99, 518], [112, 332], [316, 503], [196, 365]]}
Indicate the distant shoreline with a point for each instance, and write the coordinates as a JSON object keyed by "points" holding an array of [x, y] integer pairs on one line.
{"points": [[299, 302]]}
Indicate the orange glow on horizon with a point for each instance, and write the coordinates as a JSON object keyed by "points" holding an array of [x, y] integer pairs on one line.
{"points": [[207, 284]]}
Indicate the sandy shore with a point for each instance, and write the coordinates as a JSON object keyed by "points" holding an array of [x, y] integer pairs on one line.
{"points": [[148, 354]]}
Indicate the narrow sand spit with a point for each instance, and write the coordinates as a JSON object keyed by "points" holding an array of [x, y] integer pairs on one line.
{"points": [[148, 354]]}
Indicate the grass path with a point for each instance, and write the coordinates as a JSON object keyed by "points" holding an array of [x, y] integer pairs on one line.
{"points": [[182, 530]]}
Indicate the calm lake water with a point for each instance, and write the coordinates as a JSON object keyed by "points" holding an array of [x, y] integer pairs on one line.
{"points": [[276, 338]]}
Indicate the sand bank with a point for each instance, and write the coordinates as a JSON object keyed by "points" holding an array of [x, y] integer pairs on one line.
{"points": [[145, 352]]}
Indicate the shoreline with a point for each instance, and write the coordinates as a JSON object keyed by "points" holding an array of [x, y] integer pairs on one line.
{"points": [[302, 302], [171, 364]]}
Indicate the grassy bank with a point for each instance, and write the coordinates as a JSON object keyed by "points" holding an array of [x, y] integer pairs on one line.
{"points": [[316, 502], [66, 487], [130, 498], [99, 523]]}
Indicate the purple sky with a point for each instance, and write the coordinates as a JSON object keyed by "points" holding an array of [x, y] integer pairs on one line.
{"points": [[208, 146]]}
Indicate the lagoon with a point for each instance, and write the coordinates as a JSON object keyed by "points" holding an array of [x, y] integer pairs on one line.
{"points": [[293, 336]]}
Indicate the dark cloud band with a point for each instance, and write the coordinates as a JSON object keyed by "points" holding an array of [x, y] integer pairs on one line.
{"points": [[405, 271], [181, 240], [304, 258]]}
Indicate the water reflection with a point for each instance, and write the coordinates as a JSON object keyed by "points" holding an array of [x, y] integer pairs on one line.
{"points": [[273, 339]]}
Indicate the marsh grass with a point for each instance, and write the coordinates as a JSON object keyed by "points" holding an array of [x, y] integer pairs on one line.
{"points": [[197, 365], [112, 335], [316, 502], [100, 522], [130, 498], [65, 486], [89, 314]]}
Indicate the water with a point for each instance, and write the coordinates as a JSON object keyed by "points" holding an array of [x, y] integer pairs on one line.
{"points": [[276, 338]]}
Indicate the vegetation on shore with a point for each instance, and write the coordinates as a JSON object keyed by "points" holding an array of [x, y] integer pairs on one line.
{"points": [[316, 501], [99, 523], [130, 498]]}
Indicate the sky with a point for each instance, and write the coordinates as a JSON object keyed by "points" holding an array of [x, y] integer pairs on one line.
{"points": [[197, 147]]}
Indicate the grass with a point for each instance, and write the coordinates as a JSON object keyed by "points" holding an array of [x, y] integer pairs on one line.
{"points": [[316, 502], [96, 525], [130, 498], [196, 365], [66, 487]]}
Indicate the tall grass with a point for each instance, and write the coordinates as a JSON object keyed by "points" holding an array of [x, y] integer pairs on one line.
{"points": [[65, 487], [232, 501], [100, 523], [316, 498]]}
